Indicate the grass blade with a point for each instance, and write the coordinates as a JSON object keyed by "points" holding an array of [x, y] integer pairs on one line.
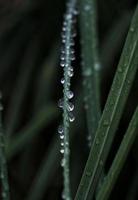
{"points": [[91, 64], [37, 123], [112, 113], [120, 158], [3, 164]]}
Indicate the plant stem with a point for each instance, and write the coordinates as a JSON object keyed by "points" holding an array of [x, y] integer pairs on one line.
{"points": [[120, 159], [91, 64], [112, 113], [3, 164]]}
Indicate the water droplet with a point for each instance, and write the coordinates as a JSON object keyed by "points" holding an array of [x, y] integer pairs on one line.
{"points": [[70, 73], [61, 136], [68, 16], [62, 63], [70, 94], [71, 117], [72, 57], [63, 195], [63, 34], [62, 57], [70, 106], [62, 144], [71, 68], [60, 103], [62, 81], [62, 150], [60, 129]]}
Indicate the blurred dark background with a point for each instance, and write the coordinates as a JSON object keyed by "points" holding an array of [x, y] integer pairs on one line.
{"points": [[30, 82]]}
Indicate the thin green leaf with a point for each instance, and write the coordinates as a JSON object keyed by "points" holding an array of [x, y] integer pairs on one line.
{"points": [[91, 64], [120, 159], [112, 113]]}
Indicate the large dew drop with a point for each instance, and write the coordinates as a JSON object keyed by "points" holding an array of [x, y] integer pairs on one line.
{"points": [[70, 94]]}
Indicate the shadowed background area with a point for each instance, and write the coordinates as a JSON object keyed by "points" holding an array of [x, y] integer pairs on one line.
{"points": [[30, 82]]}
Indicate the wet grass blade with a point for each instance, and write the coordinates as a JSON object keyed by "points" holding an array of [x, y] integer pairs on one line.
{"points": [[120, 159], [113, 110]]}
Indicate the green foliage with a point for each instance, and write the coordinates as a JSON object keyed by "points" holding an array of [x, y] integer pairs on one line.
{"points": [[101, 144]]}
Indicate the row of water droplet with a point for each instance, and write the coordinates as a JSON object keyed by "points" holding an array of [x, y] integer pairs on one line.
{"points": [[66, 59]]}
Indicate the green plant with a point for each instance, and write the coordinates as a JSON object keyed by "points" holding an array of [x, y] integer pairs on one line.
{"points": [[91, 157]]}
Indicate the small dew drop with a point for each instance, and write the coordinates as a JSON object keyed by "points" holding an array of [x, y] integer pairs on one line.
{"points": [[62, 81], [62, 151], [62, 63], [60, 103], [70, 73], [62, 57], [60, 129], [61, 136], [70, 94], [71, 117], [62, 144]]}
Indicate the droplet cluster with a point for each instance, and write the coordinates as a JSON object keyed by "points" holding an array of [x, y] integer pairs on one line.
{"points": [[66, 61]]}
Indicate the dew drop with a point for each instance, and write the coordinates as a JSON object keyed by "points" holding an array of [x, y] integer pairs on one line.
{"points": [[62, 144], [60, 129], [72, 57], [71, 117], [62, 151], [62, 63], [62, 57], [70, 106], [62, 81], [71, 68], [60, 103], [70, 73], [70, 94]]}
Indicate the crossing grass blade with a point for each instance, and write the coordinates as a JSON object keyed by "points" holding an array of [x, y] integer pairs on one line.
{"points": [[120, 159], [113, 110]]}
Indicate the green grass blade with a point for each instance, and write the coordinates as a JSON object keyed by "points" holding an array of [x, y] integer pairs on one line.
{"points": [[120, 159], [43, 118], [27, 66], [91, 64], [120, 89], [3, 163], [51, 160]]}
